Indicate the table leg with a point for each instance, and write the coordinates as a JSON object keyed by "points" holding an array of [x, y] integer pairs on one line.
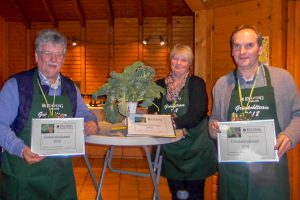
{"points": [[154, 170], [87, 163], [158, 169], [106, 160], [152, 174]]}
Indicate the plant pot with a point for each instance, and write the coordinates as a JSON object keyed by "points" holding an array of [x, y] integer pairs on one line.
{"points": [[131, 107]]}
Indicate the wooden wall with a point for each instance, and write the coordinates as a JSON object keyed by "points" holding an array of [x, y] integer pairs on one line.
{"points": [[278, 19], [293, 63], [102, 48]]}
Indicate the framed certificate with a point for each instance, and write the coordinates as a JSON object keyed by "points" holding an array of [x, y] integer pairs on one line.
{"points": [[150, 125], [247, 141], [57, 136]]}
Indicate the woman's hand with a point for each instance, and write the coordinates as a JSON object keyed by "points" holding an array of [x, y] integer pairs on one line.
{"points": [[214, 129]]}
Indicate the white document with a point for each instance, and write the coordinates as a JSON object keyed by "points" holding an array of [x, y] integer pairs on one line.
{"points": [[57, 136], [150, 125], [247, 141]]}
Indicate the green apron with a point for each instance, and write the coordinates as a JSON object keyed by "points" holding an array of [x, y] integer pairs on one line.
{"points": [[193, 157], [49, 179], [255, 181]]}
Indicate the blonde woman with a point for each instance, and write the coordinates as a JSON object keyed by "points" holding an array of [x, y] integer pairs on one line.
{"points": [[189, 161]]}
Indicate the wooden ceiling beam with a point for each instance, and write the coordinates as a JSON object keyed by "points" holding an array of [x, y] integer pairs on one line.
{"points": [[110, 13], [20, 10], [50, 13], [169, 11], [197, 5], [216, 3], [140, 11], [79, 12]]}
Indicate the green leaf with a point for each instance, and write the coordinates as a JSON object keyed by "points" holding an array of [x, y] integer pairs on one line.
{"points": [[136, 83]]}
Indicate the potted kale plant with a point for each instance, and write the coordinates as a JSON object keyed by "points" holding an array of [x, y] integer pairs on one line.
{"points": [[135, 84]]}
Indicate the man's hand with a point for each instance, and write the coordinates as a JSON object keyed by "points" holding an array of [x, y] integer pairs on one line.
{"points": [[283, 144], [214, 129], [30, 157], [90, 128]]}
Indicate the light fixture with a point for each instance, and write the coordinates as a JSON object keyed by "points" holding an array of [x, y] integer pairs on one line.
{"points": [[146, 40], [74, 42], [162, 40]]}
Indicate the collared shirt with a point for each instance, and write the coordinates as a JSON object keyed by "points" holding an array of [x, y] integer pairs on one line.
{"points": [[9, 103], [249, 83]]}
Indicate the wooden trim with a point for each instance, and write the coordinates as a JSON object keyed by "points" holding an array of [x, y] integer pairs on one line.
{"points": [[111, 48], [169, 11], [140, 11], [50, 13], [202, 44], [18, 7], [195, 5], [278, 32], [169, 43], [203, 49], [141, 35], [83, 60], [110, 13], [79, 12], [293, 61]]}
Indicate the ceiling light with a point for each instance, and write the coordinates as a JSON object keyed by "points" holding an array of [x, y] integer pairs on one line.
{"points": [[146, 40], [162, 40], [74, 43]]}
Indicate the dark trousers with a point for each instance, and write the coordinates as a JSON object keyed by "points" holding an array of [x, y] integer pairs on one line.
{"points": [[194, 188]]}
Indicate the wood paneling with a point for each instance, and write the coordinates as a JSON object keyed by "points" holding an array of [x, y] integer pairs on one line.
{"points": [[126, 41], [270, 17], [183, 30], [97, 42], [154, 54], [101, 48], [224, 20], [97, 54], [72, 65], [293, 63], [17, 48]]}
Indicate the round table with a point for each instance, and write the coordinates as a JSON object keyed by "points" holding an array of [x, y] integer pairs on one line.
{"points": [[110, 137]]}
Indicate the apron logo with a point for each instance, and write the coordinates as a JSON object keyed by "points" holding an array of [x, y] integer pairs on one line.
{"points": [[170, 106], [55, 106], [252, 107], [254, 99], [42, 114]]}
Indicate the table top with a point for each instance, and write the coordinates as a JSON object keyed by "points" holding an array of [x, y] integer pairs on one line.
{"points": [[107, 136]]}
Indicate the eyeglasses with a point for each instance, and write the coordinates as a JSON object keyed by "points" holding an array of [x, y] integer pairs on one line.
{"points": [[49, 54], [238, 47]]}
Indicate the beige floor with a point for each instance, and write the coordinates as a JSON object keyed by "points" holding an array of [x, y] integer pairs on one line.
{"points": [[117, 186]]}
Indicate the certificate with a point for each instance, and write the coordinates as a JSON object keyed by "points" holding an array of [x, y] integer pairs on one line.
{"points": [[57, 136], [150, 125], [247, 141]]}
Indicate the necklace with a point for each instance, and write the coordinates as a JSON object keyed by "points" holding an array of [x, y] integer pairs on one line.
{"points": [[244, 114], [51, 110]]}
